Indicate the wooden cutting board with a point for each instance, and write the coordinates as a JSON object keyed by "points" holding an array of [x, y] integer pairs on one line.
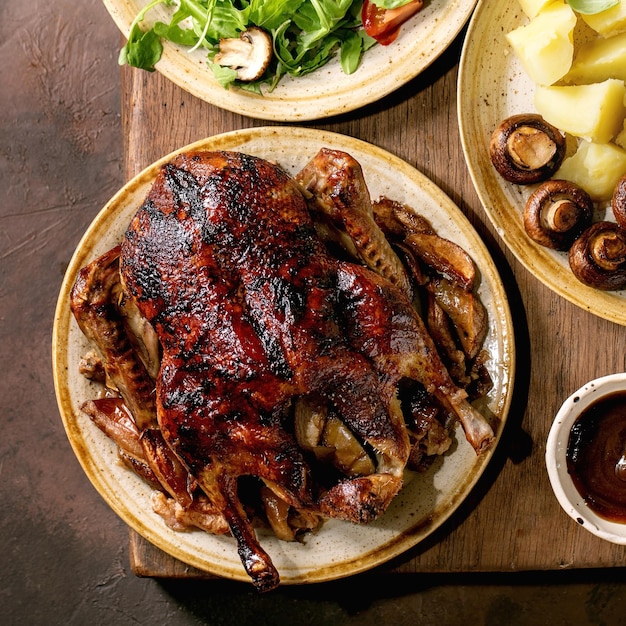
{"points": [[511, 521]]}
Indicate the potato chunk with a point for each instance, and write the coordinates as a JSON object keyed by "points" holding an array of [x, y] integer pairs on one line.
{"points": [[620, 140], [609, 22], [596, 168], [594, 112], [598, 60], [533, 7], [545, 45]]}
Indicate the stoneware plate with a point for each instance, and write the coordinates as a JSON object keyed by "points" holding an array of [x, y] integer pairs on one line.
{"points": [[322, 93], [339, 548], [492, 86]]}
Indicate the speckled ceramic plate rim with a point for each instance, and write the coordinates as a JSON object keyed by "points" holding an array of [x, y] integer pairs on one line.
{"points": [[491, 86], [323, 93], [339, 549]]}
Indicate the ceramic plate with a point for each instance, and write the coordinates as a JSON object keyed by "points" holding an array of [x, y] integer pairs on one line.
{"points": [[339, 548], [323, 93], [492, 86]]}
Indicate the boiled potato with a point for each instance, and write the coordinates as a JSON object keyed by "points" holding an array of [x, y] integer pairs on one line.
{"points": [[532, 7], [594, 112], [545, 46], [596, 168], [609, 22], [620, 140], [598, 60]]}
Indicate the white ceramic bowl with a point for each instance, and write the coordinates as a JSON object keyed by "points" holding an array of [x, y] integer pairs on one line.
{"points": [[556, 449]]}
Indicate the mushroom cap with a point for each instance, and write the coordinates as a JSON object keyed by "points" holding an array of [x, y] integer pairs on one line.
{"points": [[618, 202], [598, 257], [556, 213], [250, 55], [526, 149]]}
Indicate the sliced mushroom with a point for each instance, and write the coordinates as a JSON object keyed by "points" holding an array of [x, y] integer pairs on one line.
{"points": [[445, 257], [618, 202], [172, 474], [349, 456], [556, 213], [277, 512], [467, 313], [249, 55], [598, 257], [309, 421], [440, 329], [397, 219], [526, 149], [415, 237], [412, 264], [319, 431]]}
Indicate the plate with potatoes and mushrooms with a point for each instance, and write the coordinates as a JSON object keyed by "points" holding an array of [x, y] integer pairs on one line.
{"points": [[542, 117]]}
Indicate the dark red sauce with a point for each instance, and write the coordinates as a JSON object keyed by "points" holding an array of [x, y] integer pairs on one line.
{"points": [[596, 443]]}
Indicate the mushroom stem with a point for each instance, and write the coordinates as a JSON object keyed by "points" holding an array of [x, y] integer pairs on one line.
{"points": [[560, 216], [608, 249]]}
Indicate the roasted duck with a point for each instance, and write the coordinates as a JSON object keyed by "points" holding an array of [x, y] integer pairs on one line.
{"points": [[271, 349]]}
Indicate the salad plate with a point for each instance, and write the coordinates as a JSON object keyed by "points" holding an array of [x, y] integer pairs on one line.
{"points": [[492, 86], [325, 92], [338, 549]]}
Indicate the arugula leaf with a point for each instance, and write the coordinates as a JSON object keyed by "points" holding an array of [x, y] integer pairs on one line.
{"points": [[351, 52], [318, 18], [142, 50], [224, 75], [216, 19], [590, 7], [270, 14], [174, 33]]}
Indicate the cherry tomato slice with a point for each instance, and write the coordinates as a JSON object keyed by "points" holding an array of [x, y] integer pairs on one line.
{"points": [[384, 24]]}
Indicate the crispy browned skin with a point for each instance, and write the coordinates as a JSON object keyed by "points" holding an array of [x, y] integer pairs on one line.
{"points": [[93, 301], [339, 192], [223, 259], [252, 312]]}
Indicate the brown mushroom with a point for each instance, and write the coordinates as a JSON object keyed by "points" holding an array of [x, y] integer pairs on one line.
{"points": [[598, 256], [618, 202], [526, 149], [556, 213], [445, 257], [467, 314], [249, 55]]}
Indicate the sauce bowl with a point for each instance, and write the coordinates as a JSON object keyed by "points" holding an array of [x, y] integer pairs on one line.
{"points": [[563, 486]]}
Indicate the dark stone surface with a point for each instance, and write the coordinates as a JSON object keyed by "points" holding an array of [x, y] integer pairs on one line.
{"points": [[64, 553]]}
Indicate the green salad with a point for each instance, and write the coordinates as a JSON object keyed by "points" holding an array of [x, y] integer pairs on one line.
{"points": [[283, 37], [303, 35]]}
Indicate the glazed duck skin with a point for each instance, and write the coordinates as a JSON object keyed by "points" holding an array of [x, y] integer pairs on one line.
{"points": [[267, 344], [224, 261]]}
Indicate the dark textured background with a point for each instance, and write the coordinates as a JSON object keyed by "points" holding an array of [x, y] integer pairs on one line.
{"points": [[63, 552]]}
